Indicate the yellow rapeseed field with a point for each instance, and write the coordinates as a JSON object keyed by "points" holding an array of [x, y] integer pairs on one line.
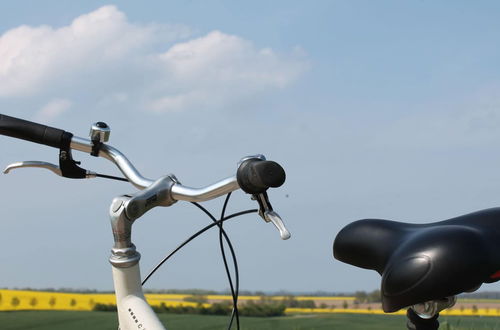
{"points": [[11, 300], [37, 300]]}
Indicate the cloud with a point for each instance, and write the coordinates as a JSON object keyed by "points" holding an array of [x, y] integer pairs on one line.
{"points": [[219, 68], [52, 110], [33, 57], [103, 55]]}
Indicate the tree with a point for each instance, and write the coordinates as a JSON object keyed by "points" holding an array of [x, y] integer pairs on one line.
{"points": [[33, 302], [375, 296], [361, 296], [52, 302], [15, 302], [345, 304], [72, 303]]}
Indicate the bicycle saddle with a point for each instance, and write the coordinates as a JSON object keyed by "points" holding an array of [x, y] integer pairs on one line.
{"points": [[423, 262]]}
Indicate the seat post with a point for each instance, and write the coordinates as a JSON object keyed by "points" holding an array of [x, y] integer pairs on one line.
{"points": [[416, 322], [424, 316]]}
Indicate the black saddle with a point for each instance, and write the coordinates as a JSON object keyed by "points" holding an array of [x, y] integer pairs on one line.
{"points": [[422, 262]]}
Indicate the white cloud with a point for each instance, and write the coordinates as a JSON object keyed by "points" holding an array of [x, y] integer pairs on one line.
{"points": [[52, 110], [225, 58], [32, 57], [219, 68], [103, 54]]}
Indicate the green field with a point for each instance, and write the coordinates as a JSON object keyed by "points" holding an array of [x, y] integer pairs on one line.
{"points": [[107, 320]]}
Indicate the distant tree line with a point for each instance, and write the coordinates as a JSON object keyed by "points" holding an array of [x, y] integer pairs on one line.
{"points": [[224, 308], [480, 295], [362, 297], [61, 290], [288, 301], [197, 292], [182, 291], [249, 293], [262, 307]]}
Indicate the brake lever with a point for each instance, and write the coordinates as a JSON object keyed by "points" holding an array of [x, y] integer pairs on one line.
{"points": [[267, 213], [51, 167], [271, 216], [48, 166]]}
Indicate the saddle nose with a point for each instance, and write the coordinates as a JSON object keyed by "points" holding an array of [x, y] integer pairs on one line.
{"points": [[367, 243]]}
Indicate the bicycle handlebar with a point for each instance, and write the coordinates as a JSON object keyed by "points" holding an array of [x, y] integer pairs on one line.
{"points": [[253, 176], [179, 192], [30, 131]]}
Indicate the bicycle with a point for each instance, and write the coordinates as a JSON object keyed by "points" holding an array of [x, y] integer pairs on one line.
{"points": [[254, 176], [424, 266]]}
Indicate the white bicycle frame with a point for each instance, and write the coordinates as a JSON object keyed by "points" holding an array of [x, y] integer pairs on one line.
{"points": [[133, 310]]}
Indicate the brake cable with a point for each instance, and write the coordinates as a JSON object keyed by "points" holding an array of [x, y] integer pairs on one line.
{"points": [[222, 232]]}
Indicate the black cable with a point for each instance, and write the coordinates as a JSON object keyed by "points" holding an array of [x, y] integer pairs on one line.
{"points": [[198, 233], [222, 232], [111, 177], [235, 292]]}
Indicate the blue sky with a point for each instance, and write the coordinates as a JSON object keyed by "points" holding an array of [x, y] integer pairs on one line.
{"points": [[384, 109]]}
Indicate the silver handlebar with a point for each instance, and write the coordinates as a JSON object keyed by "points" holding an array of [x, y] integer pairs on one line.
{"points": [[179, 192], [176, 190]]}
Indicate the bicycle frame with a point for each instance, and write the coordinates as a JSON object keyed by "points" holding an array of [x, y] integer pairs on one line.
{"points": [[134, 312]]}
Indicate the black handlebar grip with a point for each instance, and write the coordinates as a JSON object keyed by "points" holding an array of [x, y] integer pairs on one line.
{"points": [[27, 130], [255, 175]]}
